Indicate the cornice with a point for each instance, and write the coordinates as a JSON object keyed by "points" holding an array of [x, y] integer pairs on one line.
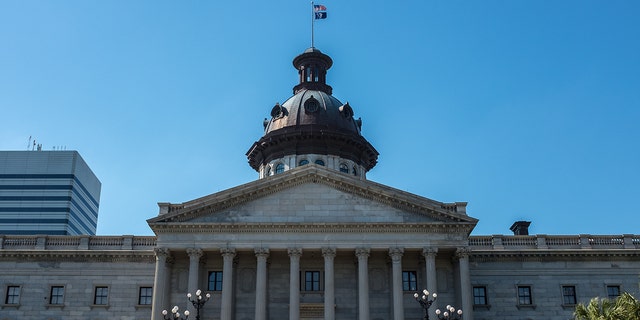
{"points": [[146, 256], [217, 227], [312, 174], [539, 255]]}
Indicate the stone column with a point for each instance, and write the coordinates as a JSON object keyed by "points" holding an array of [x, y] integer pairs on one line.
{"points": [[431, 276], [329, 287], [160, 296], [294, 283], [396, 263], [226, 302], [363, 283], [261, 283], [194, 273], [465, 282]]}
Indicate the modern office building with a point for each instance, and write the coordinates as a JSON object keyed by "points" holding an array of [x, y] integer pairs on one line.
{"points": [[313, 239], [47, 192]]}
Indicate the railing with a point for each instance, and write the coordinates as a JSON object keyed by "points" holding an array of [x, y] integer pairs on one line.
{"points": [[39, 242], [583, 241]]}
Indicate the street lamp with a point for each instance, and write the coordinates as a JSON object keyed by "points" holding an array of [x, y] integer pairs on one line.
{"points": [[449, 314], [424, 301], [175, 314], [198, 303]]}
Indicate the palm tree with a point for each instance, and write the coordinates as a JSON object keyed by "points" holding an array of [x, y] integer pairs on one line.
{"points": [[624, 307]]}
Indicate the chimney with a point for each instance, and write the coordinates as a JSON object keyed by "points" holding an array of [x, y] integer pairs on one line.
{"points": [[520, 228]]}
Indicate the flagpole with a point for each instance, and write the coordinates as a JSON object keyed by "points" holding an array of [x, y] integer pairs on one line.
{"points": [[312, 18]]}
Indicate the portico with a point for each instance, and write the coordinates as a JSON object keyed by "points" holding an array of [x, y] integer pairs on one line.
{"points": [[348, 261]]}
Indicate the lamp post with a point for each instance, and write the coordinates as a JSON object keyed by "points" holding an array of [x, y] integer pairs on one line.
{"points": [[424, 301], [449, 314], [198, 303]]}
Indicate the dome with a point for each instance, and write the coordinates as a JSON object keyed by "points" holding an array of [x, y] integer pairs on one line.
{"points": [[313, 107], [312, 121]]}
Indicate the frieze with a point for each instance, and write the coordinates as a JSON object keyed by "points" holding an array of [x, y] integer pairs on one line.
{"points": [[78, 256], [553, 255], [459, 230]]}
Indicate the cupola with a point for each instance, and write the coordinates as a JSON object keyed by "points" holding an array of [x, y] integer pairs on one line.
{"points": [[312, 126]]}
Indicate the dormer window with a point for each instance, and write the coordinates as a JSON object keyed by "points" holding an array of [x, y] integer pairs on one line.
{"points": [[319, 162], [279, 168], [344, 168], [303, 162]]}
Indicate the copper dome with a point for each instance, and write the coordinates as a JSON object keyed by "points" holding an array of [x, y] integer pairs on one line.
{"points": [[312, 121]]}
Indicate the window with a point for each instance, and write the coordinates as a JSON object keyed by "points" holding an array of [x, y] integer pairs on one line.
{"points": [[344, 168], [480, 296], [279, 168], [312, 281], [524, 295], [569, 295], [13, 295], [409, 281], [319, 162], [57, 295], [145, 296], [101, 296], [354, 171], [613, 292], [267, 172], [303, 162], [215, 281]]}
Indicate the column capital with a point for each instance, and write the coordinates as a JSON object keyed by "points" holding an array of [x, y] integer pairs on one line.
{"points": [[328, 252], [195, 253], [162, 252], [463, 252], [396, 254], [294, 252], [228, 252], [362, 252], [430, 252], [261, 252]]}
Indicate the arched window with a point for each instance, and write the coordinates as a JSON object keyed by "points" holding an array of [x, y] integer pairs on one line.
{"points": [[279, 168], [303, 162], [319, 162], [344, 168], [267, 171], [355, 171]]}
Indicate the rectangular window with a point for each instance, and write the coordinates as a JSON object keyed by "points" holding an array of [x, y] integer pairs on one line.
{"points": [[524, 295], [312, 281], [409, 281], [145, 296], [101, 296], [613, 292], [215, 281], [57, 295], [569, 295], [480, 296], [13, 295]]}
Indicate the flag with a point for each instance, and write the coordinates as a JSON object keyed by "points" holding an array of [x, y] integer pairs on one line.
{"points": [[320, 11]]}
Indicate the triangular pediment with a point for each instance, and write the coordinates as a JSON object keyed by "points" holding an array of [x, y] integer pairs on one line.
{"points": [[313, 195]]}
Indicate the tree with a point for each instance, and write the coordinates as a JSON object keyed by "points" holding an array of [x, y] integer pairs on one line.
{"points": [[624, 307]]}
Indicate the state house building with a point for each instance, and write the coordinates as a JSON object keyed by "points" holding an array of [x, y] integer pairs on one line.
{"points": [[312, 238]]}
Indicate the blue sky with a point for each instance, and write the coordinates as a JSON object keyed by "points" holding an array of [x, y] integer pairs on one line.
{"points": [[528, 110]]}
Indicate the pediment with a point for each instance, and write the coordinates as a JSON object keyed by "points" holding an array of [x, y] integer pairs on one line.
{"points": [[312, 195]]}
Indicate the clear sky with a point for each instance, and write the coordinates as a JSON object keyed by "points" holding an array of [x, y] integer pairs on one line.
{"points": [[528, 110]]}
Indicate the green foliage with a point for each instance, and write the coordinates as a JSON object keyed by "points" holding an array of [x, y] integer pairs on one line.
{"points": [[624, 307]]}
